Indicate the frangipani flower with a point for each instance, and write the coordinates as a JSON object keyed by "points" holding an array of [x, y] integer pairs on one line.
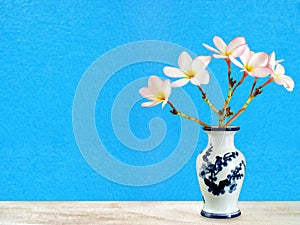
{"points": [[253, 63], [272, 62], [235, 48], [190, 70], [278, 72], [158, 91]]}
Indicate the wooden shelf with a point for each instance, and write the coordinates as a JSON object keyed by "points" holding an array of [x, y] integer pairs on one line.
{"points": [[140, 213]]}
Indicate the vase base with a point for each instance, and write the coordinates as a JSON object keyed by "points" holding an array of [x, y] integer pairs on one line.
{"points": [[220, 215]]}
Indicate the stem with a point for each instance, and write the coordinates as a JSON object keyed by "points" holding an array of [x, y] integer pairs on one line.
{"points": [[229, 94], [267, 82], [252, 96], [207, 101], [240, 111], [240, 82], [202, 92], [253, 86], [230, 84], [177, 112], [259, 89]]}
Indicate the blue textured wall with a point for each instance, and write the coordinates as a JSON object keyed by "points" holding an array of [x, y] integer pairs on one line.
{"points": [[45, 49]]}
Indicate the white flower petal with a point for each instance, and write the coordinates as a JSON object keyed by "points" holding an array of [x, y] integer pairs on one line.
{"points": [[154, 84], [200, 62], [194, 81], [150, 104], [260, 72], [272, 61], [219, 56], [180, 83], [279, 61], [220, 44], [245, 57], [259, 59], [202, 77], [185, 61], [238, 51], [235, 62], [173, 72], [146, 93], [236, 42], [211, 48], [166, 88], [285, 81], [279, 69], [164, 103]]}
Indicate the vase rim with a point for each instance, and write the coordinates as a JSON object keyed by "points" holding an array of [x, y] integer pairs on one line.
{"points": [[216, 128]]}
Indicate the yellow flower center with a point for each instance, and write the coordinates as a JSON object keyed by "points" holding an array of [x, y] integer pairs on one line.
{"points": [[226, 53], [277, 75], [190, 74], [249, 68], [161, 96]]}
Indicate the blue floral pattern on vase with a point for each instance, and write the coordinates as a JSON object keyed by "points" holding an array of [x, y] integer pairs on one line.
{"points": [[210, 171]]}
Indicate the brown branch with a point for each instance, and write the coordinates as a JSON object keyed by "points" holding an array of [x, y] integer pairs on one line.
{"points": [[230, 83], [240, 111], [252, 96], [207, 101], [253, 86], [177, 112], [239, 83]]}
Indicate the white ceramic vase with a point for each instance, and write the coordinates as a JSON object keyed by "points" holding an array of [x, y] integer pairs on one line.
{"points": [[220, 170]]}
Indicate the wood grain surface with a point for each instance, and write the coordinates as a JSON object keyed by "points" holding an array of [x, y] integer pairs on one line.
{"points": [[140, 213]]}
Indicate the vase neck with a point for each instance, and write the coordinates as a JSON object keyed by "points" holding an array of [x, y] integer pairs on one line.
{"points": [[221, 140]]}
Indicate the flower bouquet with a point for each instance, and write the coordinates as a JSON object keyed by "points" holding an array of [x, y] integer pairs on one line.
{"points": [[255, 65], [220, 166]]}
